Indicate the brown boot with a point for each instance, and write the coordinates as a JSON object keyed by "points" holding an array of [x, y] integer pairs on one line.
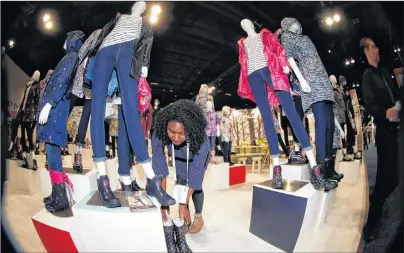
{"points": [[197, 225]]}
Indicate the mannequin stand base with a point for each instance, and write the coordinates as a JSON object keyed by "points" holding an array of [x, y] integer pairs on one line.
{"points": [[222, 176], [22, 180], [293, 172]]}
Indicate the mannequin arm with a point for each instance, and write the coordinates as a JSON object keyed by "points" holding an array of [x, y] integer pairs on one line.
{"points": [[303, 83]]}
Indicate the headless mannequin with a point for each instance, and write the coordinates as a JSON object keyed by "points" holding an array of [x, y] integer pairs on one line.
{"points": [[115, 54], [258, 86]]}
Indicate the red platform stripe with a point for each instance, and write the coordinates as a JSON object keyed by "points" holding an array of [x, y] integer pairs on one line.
{"points": [[237, 175], [54, 239]]}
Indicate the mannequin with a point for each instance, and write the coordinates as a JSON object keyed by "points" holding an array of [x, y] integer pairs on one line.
{"points": [[349, 144], [311, 73], [26, 118], [77, 93], [124, 45], [213, 126], [264, 80], [226, 133], [51, 127], [156, 109], [339, 105], [202, 97]]}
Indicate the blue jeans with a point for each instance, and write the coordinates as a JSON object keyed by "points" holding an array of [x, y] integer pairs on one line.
{"points": [[259, 80], [325, 126], [54, 157], [118, 57], [125, 153], [212, 140]]}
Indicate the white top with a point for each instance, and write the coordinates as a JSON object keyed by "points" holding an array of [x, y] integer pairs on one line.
{"points": [[255, 53], [126, 29]]}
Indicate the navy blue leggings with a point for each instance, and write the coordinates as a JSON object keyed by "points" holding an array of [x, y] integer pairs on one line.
{"points": [[54, 157], [325, 126], [259, 80]]}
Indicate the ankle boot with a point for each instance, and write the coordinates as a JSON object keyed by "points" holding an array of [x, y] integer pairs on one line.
{"points": [[180, 241], [317, 178], [154, 189], [106, 194], [170, 236], [58, 201], [277, 177], [77, 165], [331, 174], [197, 224]]}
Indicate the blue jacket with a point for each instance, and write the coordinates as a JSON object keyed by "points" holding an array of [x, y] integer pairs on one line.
{"points": [[113, 86], [57, 93]]}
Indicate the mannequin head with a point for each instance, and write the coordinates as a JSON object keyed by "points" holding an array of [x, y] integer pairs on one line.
{"points": [[226, 110], [248, 26], [342, 80], [291, 25], [138, 8], [209, 106], [36, 76], [156, 103], [333, 79], [204, 90]]}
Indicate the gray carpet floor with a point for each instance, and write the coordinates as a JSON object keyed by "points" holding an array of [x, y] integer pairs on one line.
{"points": [[390, 221]]}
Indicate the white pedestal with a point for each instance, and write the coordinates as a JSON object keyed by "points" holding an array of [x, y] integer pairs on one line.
{"points": [[82, 183], [21, 180], [218, 176], [41, 161], [67, 161], [293, 172], [117, 229], [350, 171], [273, 220], [217, 159]]}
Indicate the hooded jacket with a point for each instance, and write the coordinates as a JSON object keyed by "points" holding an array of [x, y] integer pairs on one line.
{"points": [[57, 93], [141, 54], [276, 59]]}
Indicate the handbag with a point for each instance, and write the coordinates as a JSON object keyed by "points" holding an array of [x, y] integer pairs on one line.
{"points": [[180, 193], [144, 95]]}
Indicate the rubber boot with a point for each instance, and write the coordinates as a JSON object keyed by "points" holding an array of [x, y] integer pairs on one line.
{"points": [[58, 201], [77, 165], [277, 177], [317, 178], [180, 241], [154, 189], [170, 236], [106, 194], [331, 174]]}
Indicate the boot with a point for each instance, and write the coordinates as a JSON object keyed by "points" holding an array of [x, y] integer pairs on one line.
{"points": [[170, 236], [34, 164], [296, 158], [77, 165], [197, 224], [58, 201], [317, 178], [106, 194], [277, 177], [331, 174], [348, 158], [154, 189], [180, 241], [24, 162], [358, 156]]}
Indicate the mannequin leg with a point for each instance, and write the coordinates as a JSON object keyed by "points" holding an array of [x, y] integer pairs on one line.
{"points": [[73, 100], [320, 116], [83, 125], [30, 134], [350, 137], [283, 146], [23, 140], [225, 145], [113, 146], [284, 124], [330, 128]]}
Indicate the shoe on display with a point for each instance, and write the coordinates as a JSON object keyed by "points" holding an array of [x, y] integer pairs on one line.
{"points": [[154, 189], [348, 158], [49, 199], [277, 177], [77, 164], [180, 241], [358, 156], [34, 164], [36, 151], [58, 201], [317, 178], [170, 236], [331, 174], [296, 158], [106, 194], [197, 224]]}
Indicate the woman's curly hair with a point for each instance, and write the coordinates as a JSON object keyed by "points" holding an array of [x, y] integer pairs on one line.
{"points": [[190, 115]]}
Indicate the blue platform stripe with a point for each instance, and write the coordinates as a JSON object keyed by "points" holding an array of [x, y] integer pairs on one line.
{"points": [[277, 218]]}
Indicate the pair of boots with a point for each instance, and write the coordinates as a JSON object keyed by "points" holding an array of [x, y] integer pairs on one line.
{"points": [[58, 201], [153, 189], [78, 163], [174, 232], [330, 172]]}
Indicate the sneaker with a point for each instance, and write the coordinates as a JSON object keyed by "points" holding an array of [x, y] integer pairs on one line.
{"points": [[197, 224]]}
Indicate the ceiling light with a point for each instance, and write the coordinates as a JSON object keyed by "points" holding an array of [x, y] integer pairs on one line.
{"points": [[352, 61], [329, 51], [347, 63], [392, 76], [329, 21], [11, 43], [337, 18], [228, 94], [171, 90], [46, 18], [153, 19], [49, 25], [398, 49], [395, 50], [156, 9]]}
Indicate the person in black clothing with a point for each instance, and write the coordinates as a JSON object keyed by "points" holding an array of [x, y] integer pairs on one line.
{"points": [[382, 101]]}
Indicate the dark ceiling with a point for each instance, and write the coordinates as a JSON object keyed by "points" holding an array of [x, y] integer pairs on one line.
{"points": [[195, 42]]}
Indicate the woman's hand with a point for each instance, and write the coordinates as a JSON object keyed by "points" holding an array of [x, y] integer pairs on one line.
{"points": [[165, 213], [184, 214]]}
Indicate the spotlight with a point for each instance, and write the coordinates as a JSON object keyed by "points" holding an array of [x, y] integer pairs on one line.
{"points": [[11, 43], [337, 18], [352, 61], [156, 9], [392, 76], [329, 51], [347, 63], [395, 50], [153, 19], [398, 49], [329, 21], [49, 25], [46, 18]]}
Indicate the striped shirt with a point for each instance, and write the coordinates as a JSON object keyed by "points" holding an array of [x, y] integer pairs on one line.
{"points": [[255, 53], [126, 29]]}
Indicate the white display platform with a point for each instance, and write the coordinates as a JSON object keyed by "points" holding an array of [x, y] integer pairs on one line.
{"points": [[273, 221], [118, 229], [82, 183], [41, 161], [71, 148], [293, 172], [350, 171], [222, 176], [67, 161], [22, 180]]}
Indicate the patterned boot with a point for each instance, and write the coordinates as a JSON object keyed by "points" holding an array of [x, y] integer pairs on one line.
{"points": [[77, 164], [317, 178], [58, 201], [170, 236], [180, 241], [277, 178]]}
